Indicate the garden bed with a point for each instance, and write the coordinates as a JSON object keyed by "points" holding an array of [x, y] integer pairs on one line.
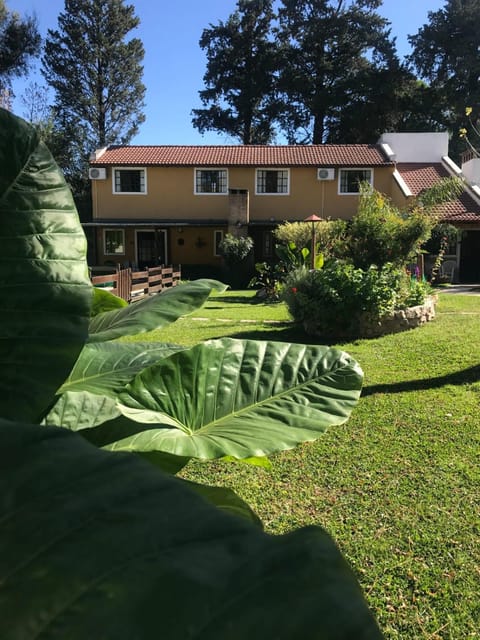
{"points": [[368, 327]]}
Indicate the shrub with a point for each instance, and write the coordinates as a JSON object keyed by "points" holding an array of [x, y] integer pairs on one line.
{"points": [[414, 293], [238, 260], [379, 233], [336, 299], [443, 235], [235, 249], [329, 234]]}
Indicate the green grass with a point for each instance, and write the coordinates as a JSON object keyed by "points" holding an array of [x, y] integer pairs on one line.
{"points": [[397, 486]]}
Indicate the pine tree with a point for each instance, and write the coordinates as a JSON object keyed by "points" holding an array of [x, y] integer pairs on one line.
{"points": [[19, 40], [96, 75], [240, 75], [95, 72], [339, 64]]}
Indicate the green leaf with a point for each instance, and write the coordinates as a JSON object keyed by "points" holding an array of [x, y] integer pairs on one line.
{"points": [[226, 500], [80, 410], [238, 398], [101, 545], [153, 313], [107, 366], [104, 301], [319, 261], [165, 461], [45, 290]]}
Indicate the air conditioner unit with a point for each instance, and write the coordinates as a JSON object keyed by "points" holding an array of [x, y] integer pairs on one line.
{"points": [[325, 174], [97, 173]]}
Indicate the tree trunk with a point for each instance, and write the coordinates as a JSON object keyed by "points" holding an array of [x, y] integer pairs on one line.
{"points": [[318, 129]]}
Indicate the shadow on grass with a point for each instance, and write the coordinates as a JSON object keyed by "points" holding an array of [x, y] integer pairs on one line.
{"points": [[466, 376], [226, 300], [284, 332], [295, 333]]}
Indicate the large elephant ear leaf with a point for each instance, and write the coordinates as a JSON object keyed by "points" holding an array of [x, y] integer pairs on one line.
{"points": [[239, 398], [44, 286], [102, 545], [153, 313]]}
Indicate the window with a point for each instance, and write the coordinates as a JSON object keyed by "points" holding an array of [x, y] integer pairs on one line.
{"points": [[129, 181], [272, 181], [211, 181], [350, 179], [217, 238], [114, 242]]}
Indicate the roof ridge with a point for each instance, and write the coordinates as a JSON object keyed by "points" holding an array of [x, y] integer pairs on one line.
{"points": [[245, 146]]}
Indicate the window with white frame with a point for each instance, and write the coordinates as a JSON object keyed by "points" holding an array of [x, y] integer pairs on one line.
{"points": [[217, 238], [349, 180], [130, 180], [211, 181], [272, 181], [114, 242]]}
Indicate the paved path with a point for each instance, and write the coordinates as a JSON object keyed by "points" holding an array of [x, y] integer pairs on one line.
{"points": [[466, 289]]}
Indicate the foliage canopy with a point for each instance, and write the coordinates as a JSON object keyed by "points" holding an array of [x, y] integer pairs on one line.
{"points": [[95, 70], [19, 40], [239, 81]]}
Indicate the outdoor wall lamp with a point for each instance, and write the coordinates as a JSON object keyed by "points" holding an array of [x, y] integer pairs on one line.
{"points": [[313, 218]]}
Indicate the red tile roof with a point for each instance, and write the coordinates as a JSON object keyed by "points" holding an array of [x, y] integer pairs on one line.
{"points": [[245, 155], [421, 176]]}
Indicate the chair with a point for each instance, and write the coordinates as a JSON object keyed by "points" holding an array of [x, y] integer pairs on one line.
{"points": [[447, 270]]}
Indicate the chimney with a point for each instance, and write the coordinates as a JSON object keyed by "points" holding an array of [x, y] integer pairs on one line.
{"points": [[238, 212]]}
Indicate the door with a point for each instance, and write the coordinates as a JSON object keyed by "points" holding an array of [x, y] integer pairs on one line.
{"points": [[470, 257], [151, 248], [146, 254]]}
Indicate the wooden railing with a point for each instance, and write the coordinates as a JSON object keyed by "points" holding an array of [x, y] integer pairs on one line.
{"points": [[135, 285]]}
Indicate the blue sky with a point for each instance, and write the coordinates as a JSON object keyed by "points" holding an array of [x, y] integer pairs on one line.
{"points": [[174, 64]]}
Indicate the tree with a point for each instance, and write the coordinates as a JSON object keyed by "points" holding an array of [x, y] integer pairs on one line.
{"points": [[388, 98], [240, 75], [38, 111], [337, 54], [96, 76], [19, 40], [445, 54]]}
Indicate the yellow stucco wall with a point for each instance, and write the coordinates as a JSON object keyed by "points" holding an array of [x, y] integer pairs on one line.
{"points": [[170, 196], [184, 245]]}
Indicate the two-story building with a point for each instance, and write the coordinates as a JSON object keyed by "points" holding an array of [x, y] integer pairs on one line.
{"points": [[173, 204]]}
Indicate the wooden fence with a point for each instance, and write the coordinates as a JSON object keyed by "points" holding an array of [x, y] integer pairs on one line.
{"points": [[135, 285]]}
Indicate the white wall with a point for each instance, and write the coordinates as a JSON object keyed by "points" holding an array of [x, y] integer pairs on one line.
{"points": [[471, 170], [417, 147]]}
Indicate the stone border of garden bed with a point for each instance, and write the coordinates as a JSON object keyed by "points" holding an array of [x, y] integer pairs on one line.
{"points": [[400, 320]]}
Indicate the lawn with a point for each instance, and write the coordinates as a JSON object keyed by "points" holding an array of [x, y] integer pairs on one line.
{"points": [[397, 486]]}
